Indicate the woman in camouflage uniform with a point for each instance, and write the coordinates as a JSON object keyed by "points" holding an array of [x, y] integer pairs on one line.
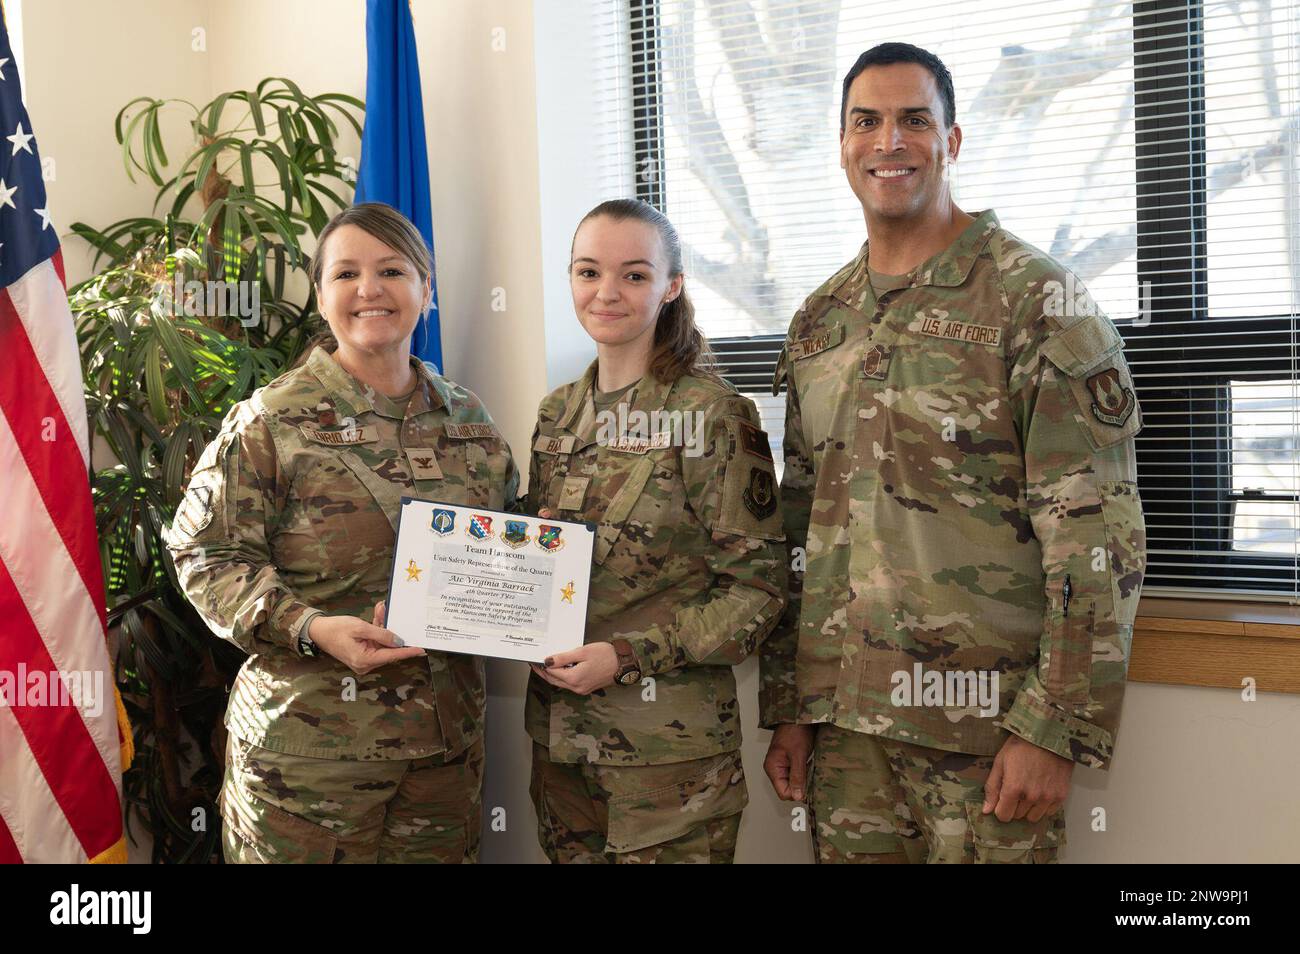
{"points": [[636, 735], [343, 747]]}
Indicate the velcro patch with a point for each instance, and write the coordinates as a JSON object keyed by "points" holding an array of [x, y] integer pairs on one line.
{"points": [[424, 463], [554, 445], [195, 512], [960, 331], [1112, 402], [341, 437], [875, 362], [469, 432], [815, 344], [754, 441], [760, 493], [574, 492], [627, 444]]}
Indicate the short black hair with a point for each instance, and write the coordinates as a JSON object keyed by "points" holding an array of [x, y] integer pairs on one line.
{"points": [[886, 54]]}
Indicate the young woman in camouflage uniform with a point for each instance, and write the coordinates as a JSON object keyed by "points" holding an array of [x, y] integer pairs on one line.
{"points": [[636, 735], [342, 746]]}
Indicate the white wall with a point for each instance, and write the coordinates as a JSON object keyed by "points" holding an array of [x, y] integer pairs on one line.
{"points": [[85, 60], [1199, 774]]}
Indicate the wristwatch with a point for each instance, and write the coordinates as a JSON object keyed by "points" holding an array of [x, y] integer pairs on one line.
{"points": [[629, 670]]}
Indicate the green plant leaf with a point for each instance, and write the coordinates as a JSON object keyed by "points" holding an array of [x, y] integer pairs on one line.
{"points": [[153, 382], [255, 107]]}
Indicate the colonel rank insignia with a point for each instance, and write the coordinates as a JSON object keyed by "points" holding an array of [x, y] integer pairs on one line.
{"points": [[1112, 403], [480, 527], [760, 495], [516, 534], [444, 521], [548, 537]]}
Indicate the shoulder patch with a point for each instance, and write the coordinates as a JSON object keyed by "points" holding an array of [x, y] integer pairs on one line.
{"points": [[195, 512], [753, 441], [760, 495], [1112, 402], [750, 501], [1105, 403]]}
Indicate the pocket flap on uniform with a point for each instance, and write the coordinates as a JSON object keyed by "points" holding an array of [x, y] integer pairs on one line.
{"points": [[611, 524], [271, 834], [1083, 345], [683, 797], [1013, 842]]}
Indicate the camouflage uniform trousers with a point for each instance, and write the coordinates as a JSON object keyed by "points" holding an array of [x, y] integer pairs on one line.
{"points": [[281, 808], [879, 801], [678, 813]]}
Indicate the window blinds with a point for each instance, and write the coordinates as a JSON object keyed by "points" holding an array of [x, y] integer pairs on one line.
{"points": [[1150, 146]]}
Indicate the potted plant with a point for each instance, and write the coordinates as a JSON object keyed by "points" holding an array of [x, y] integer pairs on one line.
{"points": [[194, 308]]}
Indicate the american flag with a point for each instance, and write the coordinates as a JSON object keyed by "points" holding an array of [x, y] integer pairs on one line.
{"points": [[60, 743]]}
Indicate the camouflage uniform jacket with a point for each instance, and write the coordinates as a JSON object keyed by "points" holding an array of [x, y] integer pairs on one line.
{"points": [[687, 565], [960, 473], [290, 513]]}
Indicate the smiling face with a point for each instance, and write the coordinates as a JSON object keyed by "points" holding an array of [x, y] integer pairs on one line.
{"points": [[894, 144], [370, 295], [619, 278]]}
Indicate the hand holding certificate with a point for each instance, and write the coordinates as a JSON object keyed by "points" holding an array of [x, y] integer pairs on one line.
{"points": [[468, 580]]}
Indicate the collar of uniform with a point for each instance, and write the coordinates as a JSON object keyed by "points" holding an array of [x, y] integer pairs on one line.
{"points": [[352, 397], [946, 269], [427, 397], [649, 395], [579, 415], [950, 267], [577, 398]]}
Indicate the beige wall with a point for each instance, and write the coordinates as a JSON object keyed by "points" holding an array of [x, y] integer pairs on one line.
{"points": [[85, 60], [1199, 775]]}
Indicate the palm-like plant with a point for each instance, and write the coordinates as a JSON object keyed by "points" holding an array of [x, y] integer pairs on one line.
{"points": [[160, 374]]}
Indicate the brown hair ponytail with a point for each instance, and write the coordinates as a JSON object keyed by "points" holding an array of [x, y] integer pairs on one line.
{"points": [[679, 346], [386, 224]]}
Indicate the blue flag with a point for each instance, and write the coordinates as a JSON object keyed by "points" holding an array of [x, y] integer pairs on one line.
{"points": [[394, 158]]}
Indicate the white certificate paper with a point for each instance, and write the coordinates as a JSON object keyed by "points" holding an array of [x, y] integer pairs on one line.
{"points": [[469, 580]]}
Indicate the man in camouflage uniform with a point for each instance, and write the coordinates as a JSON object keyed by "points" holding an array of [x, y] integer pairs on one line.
{"points": [[960, 480], [687, 579], [290, 514]]}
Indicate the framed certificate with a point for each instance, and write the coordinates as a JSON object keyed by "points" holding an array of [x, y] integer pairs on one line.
{"points": [[470, 580]]}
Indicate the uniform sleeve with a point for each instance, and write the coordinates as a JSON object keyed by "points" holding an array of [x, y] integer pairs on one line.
{"points": [[514, 503], [218, 539], [1077, 415], [731, 488], [778, 696], [531, 502]]}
